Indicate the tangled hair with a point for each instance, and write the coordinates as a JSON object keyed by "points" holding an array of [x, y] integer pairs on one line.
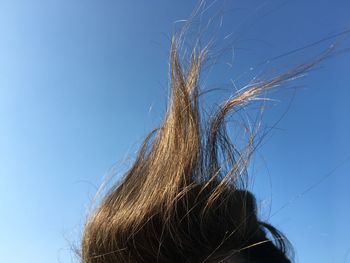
{"points": [[185, 198]]}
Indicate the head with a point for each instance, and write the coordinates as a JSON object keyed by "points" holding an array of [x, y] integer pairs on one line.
{"points": [[185, 197]]}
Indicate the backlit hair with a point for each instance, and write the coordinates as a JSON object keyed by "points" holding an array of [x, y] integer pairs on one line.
{"points": [[185, 198]]}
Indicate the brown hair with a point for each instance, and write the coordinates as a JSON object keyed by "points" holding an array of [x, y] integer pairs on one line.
{"points": [[185, 197]]}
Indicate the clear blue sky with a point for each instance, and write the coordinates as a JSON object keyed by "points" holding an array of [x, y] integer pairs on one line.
{"points": [[78, 79]]}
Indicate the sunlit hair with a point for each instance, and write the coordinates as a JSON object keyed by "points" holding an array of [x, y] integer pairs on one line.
{"points": [[185, 197]]}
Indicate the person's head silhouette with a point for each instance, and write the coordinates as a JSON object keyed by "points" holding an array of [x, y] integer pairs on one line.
{"points": [[184, 198]]}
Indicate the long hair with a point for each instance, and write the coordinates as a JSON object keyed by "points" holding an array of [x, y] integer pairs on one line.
{"points": [[185, 197]]}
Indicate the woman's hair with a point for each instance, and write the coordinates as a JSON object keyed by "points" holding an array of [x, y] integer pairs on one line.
{"points": [[185, 197]]}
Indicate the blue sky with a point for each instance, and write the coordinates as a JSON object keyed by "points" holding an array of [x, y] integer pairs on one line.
{"points": [[82, 82]]}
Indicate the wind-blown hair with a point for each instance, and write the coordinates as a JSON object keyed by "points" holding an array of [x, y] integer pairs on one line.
{"points": [[185, 197]]}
